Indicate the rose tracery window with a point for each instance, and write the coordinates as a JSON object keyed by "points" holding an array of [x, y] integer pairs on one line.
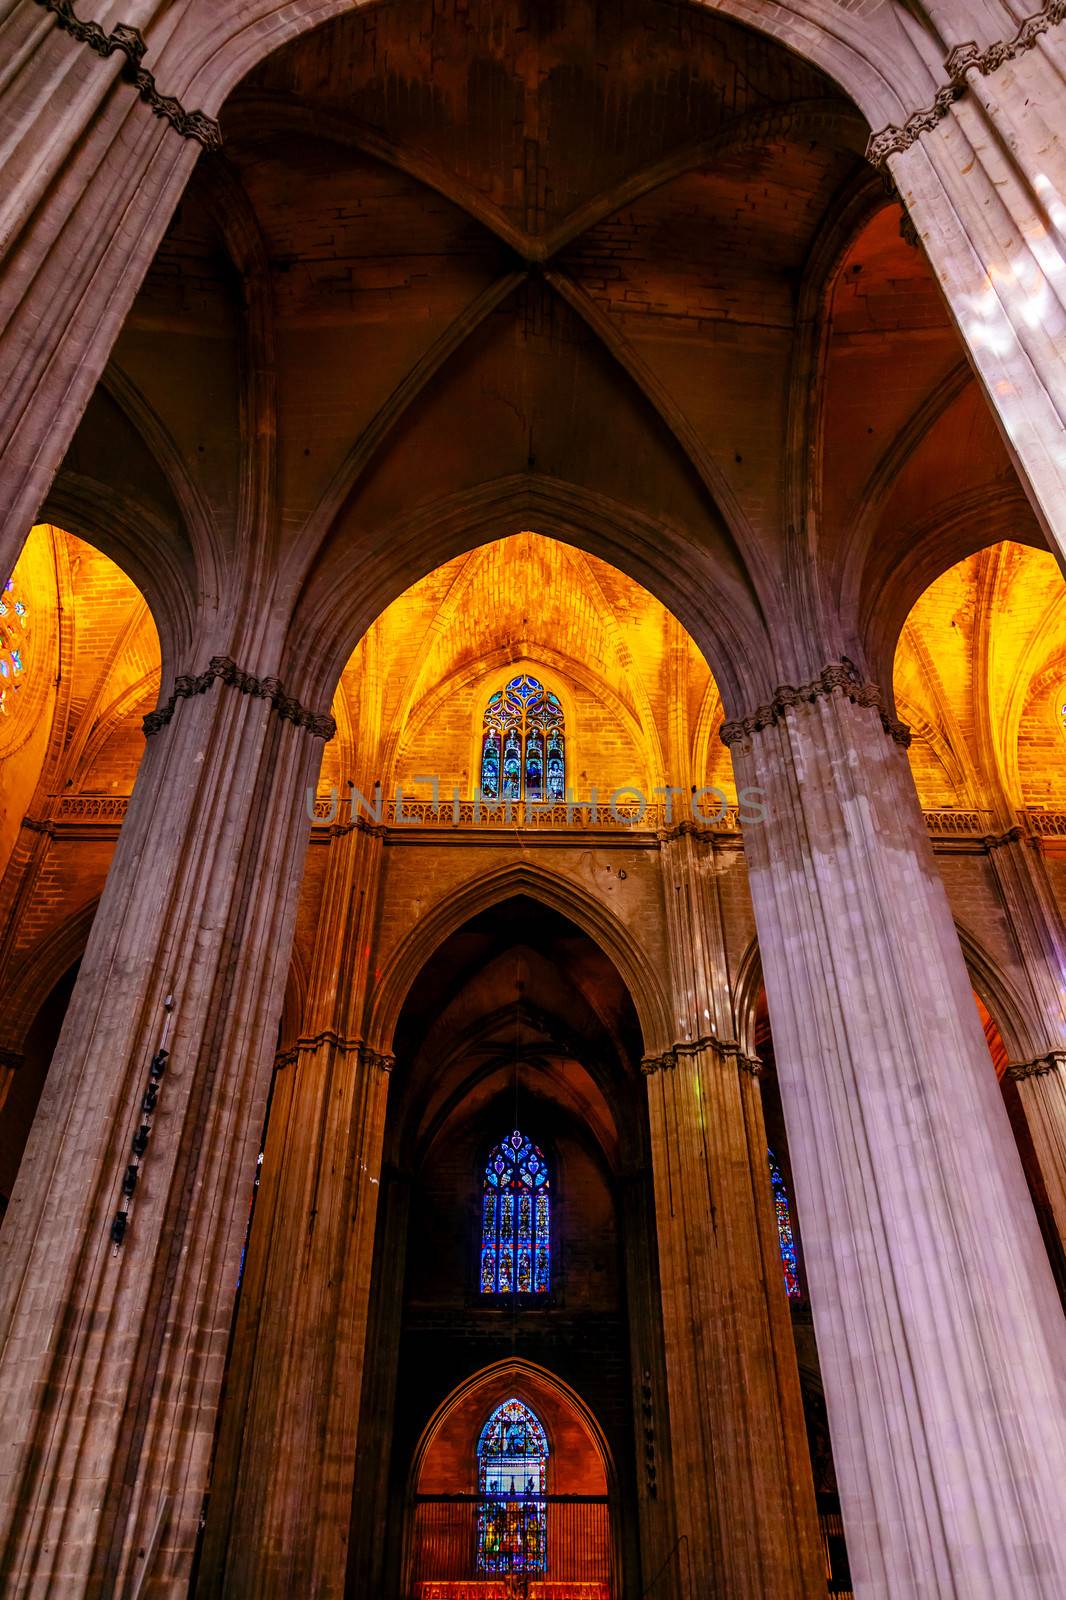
{"points": [[523, 743], [512, 1458], [515, 1219]]}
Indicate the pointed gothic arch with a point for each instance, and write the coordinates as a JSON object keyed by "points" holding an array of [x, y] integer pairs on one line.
{"points": [[634, 964]]}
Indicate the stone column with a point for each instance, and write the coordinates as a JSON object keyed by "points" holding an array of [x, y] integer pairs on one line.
{"points": [[741, 1471], [281, 1501], [981, 167], [1036, 927], [92, 177], [662, 1560], [112, 1354], [1042, 1094], [940, 1334]]}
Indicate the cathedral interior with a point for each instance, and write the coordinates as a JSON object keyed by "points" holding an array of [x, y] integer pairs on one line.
{"points": [[532, 805]]}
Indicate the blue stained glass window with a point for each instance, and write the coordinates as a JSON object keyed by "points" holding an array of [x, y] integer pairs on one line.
{"points": [[524, 721], [512, 766], [535, 765], [556, 765], [13, 615], [516, 1219], [512, 1459], [490, 765], [785, 1236]]}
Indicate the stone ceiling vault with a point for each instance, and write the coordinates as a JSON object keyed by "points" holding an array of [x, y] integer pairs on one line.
{"points": [[461, 271]]}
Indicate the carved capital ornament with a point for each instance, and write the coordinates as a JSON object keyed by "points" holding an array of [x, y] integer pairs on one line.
{"points": [[375, 1060], [960, 61], [318, 723], [129, 42], [840, 677], [728, 1049], [1054, 1061]]}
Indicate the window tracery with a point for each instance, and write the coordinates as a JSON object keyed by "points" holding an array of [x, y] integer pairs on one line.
{"points": [[515, 1219], [523, 743], [512, 1456]]}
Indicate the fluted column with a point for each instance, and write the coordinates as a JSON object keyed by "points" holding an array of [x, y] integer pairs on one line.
{"points": [[112, 1347], [282, 1495], [92, 175], [738, 1442], [940, 1334], [981, 168]]}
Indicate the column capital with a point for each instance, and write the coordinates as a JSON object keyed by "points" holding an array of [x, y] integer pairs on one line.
{"points": [[40, 825], [1054, 1061], [128, 41], [729, 1049], [318, 723], [687, 829], [961, 60], [379, 1059], [996, 841], [341, 830], [839, 676]]}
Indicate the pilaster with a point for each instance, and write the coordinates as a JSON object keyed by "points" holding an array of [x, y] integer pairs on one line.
{"points": [[281, 1498], [1042, 1094], [738, 1442], [1036, 928]]}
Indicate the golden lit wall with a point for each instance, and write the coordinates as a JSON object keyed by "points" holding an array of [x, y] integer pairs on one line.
{"points": [[980, 676], [28, 691], [71, 723], [640, 704]]}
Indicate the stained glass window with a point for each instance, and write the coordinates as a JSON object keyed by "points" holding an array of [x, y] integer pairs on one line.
{"points": [[13, 615], [515, 1219], [785, 1236], [512, 1461], [523, 744]]}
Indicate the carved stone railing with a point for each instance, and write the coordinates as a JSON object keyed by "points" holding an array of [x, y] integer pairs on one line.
{"points": [[1044, 824], [578, 817], [92, 808], [949, 822], [954, 822]]}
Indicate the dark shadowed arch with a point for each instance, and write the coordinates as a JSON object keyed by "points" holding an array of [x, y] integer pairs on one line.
{"points": [[561, 894]]}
